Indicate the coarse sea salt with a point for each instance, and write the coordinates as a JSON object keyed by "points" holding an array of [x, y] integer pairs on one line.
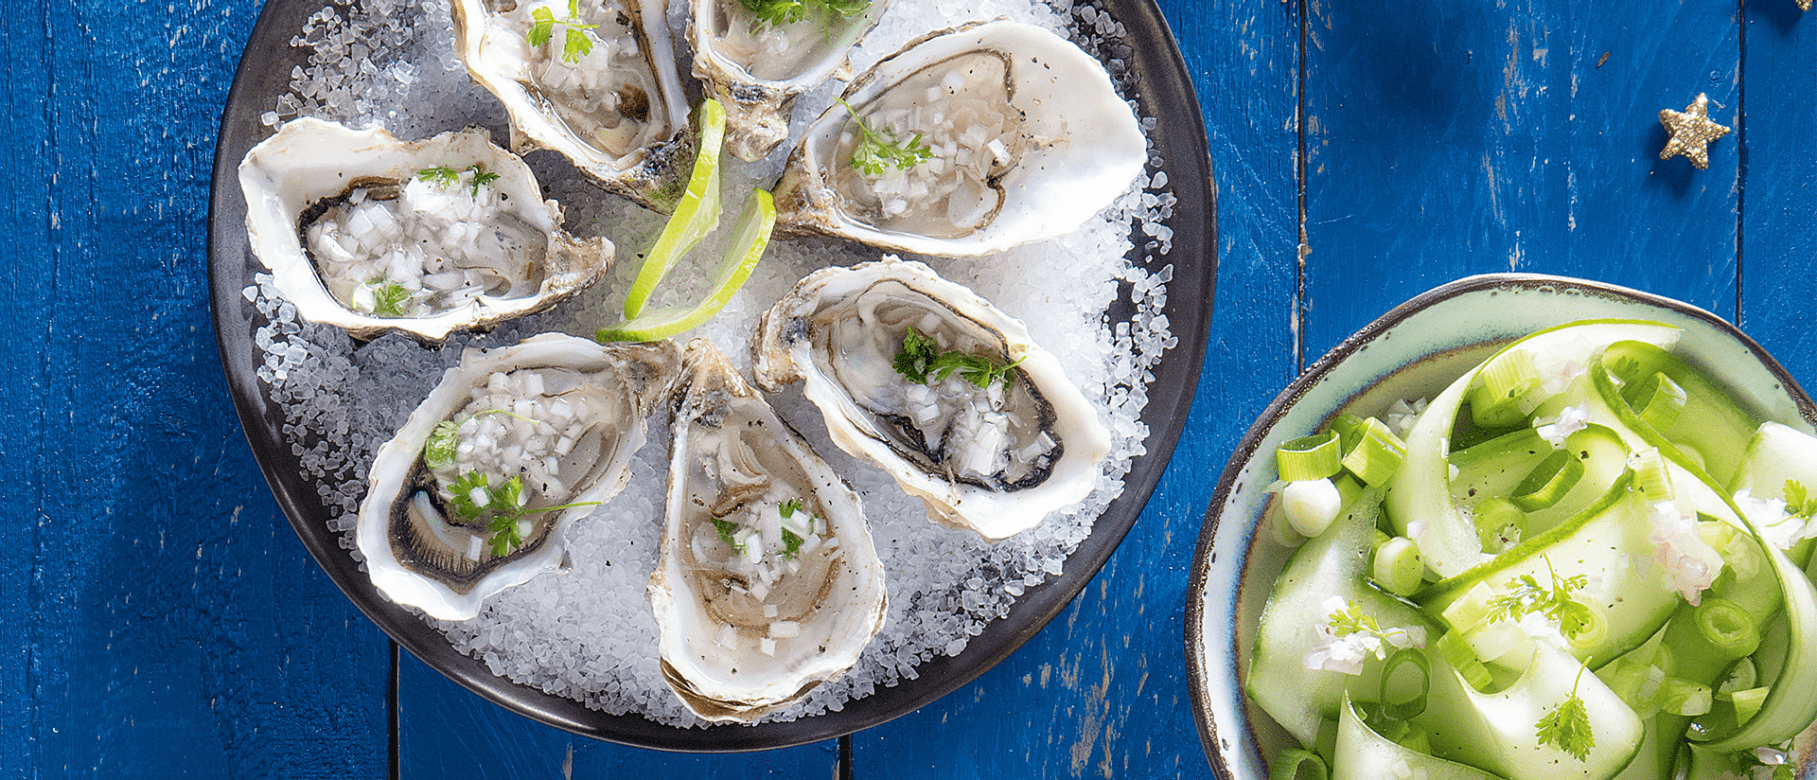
{"points": [[1095, 298]]}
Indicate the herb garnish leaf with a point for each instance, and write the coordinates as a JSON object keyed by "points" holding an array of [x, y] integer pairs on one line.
{"points": [[1527, 597], [878, 150], [575, 43], [921, 362], [1568, 726], [1798, 501]]}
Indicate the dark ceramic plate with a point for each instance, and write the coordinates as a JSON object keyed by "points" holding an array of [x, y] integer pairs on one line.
{"points": [[1413, 351], [1164, 92]]}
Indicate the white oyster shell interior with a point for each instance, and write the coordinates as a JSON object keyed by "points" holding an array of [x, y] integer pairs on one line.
{"points": [[1024, 138], [357, 237], [995, 459], [616, 110], [563, 415], [769, 583], [756, 69]]}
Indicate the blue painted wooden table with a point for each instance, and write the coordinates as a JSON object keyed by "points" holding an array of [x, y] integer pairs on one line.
{"points": [[160, 619]]}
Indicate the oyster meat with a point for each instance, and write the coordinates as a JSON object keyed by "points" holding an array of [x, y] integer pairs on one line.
{"points": [[756, 66], [369, 233], [994, 444], [768, 583], [474, 493], [1003, 132], [592, 79]]}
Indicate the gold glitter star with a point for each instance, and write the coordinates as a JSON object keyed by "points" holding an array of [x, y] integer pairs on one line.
{"points": [[1692, 131], [1804, 5]]}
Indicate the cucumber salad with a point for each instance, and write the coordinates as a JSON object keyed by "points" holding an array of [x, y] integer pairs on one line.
{"points": [[1583, 558]]}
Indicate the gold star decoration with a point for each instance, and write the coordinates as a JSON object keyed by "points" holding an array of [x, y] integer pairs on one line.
{"points": [[1691, 131], [1804, 5]]}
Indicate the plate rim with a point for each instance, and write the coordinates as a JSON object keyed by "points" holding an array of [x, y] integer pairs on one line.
{"points": [[1185, 150], [1197, 652]]}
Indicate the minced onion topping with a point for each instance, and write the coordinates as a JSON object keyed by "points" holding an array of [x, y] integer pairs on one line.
{"points": [[518, 425], [961, 110], [432, 248], [606, 96]]}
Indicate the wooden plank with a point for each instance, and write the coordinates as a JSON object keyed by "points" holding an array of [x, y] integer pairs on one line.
{"points": [[1779, 225], [445, 731], [1102, 691], [24, 219], [1448, 139], [175, 624]]}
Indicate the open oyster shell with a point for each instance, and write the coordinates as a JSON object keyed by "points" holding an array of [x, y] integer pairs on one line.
{"points": [[617, 111], [769, 584], [347, 224], [756, 70], [562, 414], [1025, 139], [994, 459]]}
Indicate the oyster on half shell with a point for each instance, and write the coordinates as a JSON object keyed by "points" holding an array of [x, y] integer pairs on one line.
{"points": [[369, 233], [995, 458], [475, 492], [599, 86], [1023, 137], [768, 584], [757, 69]]}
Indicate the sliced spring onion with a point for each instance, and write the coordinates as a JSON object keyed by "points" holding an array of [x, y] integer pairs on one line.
{"points": [[1640, 685], [1685, 698], [1398, 567], [1377, 455], [1593, 625], [1494, 518], [1289, 764], [1728, 628], [1348, 428], [1311, 505], [1747, 703], [1742, 676], [1309, 457], [1508, 378], [1657, 401], [1458, 654], [1406, 680], [1651, 477], [1549, 481]]}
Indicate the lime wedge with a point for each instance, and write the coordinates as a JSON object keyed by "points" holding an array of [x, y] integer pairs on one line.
{"points": [[751, 238], [696, 216]]}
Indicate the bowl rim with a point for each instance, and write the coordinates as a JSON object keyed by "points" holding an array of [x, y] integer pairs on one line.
{"points": [[1245, 450]]}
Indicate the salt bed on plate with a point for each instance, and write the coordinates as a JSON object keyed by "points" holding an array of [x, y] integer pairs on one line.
{"points": [[588, 634]]}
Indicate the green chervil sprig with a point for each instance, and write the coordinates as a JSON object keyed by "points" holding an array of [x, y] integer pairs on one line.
{"points": [[502, 509], [776, 13], [1527, 596], [1568, 726], [445, 177], [575, 45], [875, 153], [726, 529], [1798, 502], [922, 363], [389, 299], [445, 439]]}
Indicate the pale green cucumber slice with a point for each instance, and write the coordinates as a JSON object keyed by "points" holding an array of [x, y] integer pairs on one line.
{"points": [[1509, 719], [1333, 564], [1419, 495], [1790, 707], [1777, 454], [1496, 467], [1606, 543], [1363, 754], [1711, 424]]}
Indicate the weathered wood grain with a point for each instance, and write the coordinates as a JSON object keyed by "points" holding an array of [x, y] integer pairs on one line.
{"points": [[169, 624], [447, 732], [1779, 194], [1446, 139], [1102, 691]]}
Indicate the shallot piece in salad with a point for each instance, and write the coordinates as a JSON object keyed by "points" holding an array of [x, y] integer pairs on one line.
{"points": [[1347, 652], [1777, 525], [1557, 371], [1690, 563], [1401, 415], [1570, 419]]}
